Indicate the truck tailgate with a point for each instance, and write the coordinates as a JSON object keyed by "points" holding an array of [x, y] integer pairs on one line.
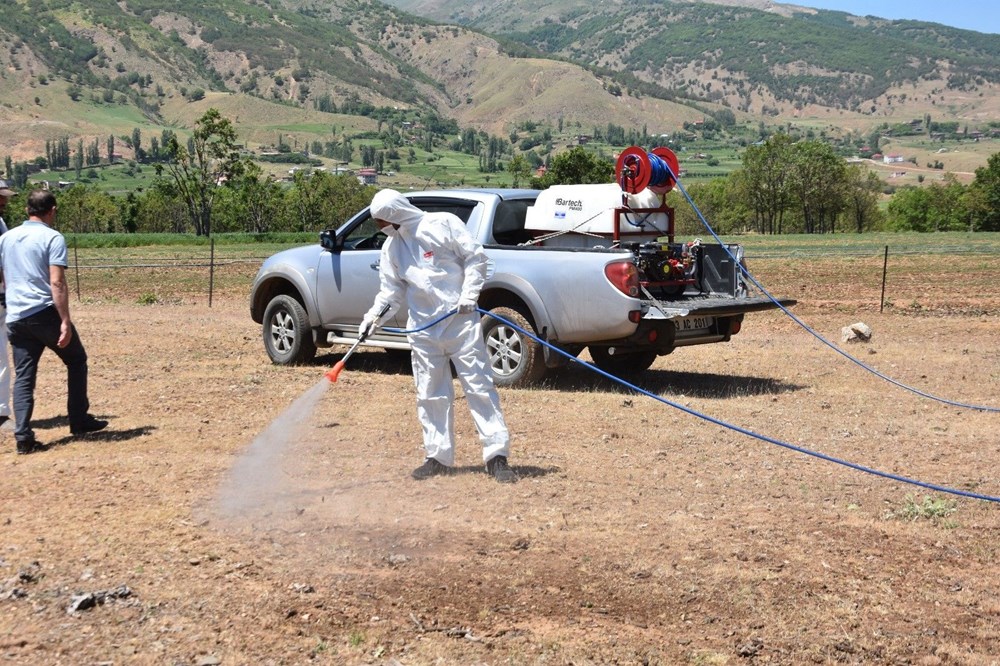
{"points": [[722, 306]]}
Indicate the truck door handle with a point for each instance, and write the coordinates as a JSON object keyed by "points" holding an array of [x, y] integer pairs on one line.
{"points": [[374, 266]]}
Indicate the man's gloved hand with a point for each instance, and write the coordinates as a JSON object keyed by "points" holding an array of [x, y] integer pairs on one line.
{"points": [[466, 307], [367, 326]]}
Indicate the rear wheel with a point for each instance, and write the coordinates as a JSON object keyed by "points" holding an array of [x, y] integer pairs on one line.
{"points": [[622, 365], [287, 337], [514, 358]]}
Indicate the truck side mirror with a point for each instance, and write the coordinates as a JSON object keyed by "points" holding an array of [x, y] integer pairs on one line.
{"points": [[331, 241]]}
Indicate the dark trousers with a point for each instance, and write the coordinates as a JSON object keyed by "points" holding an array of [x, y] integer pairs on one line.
{"points": [[28, 339]]}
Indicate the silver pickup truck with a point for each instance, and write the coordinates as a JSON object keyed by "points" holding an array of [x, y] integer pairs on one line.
{"points": [[627, 304]]}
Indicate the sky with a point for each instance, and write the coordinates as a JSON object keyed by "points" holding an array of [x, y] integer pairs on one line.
{"points": [[979, 15]]}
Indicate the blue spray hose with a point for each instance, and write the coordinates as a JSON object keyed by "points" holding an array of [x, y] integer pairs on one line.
{"points": [[718, 422], [810, 330]]}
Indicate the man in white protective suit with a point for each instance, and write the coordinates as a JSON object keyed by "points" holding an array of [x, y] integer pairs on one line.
{"points": [[433, 265]]}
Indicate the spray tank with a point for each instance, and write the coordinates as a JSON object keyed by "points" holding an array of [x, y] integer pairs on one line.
{"points": [[629, 214]]}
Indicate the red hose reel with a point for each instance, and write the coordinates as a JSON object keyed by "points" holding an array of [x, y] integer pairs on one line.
{"points": [[636, 170]]}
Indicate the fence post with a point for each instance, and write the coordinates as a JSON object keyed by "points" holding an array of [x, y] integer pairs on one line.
{"points": [[211, 271], [885, 266]]}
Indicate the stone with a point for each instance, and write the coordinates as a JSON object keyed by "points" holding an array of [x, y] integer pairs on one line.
{"points": [[859, 332]]}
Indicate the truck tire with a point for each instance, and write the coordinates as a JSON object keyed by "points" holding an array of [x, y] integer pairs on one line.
{"points": [[622, 365], [287, 337], [514, 358]]}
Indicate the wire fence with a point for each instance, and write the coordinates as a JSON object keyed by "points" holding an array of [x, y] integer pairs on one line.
{"points": [[163, 275], [918, 276], [855, 251]]}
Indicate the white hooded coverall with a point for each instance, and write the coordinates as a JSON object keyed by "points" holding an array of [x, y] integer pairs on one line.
{"points": [[430, 264]]}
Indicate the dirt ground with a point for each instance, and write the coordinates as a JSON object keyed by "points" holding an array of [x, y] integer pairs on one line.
{"points": [[235, 512]]}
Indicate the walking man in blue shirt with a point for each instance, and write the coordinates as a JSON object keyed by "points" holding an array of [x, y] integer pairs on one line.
{"points": [[33, 262]]}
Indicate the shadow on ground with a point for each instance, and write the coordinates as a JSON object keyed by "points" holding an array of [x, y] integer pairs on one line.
{"points": [[578, 377]]}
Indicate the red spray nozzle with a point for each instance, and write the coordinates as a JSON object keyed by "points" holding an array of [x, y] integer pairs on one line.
{"points": [[334, 372]]}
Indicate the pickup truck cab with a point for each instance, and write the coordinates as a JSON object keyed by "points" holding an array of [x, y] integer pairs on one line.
{"points": [[572, 297]]}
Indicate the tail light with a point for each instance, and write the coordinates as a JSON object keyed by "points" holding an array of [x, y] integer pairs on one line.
{"points": [[624, 276]]}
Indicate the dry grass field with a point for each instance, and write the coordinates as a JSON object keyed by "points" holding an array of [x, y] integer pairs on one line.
{"points": [[236, 512]]}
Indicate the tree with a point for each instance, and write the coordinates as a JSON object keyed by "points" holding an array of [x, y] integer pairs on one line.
{"points": [[252, 202], [976, 207], [946, 209], [129, 213], [197, 171], [94, 152], [20, 175], [87, 209], [576, 166], [764, 182], [78, 158], [111, 149], [863, 189], [519, 170], [986, 195], [816, 184], [908, 210], [137, 144], [321, 200], [935, 208], [874, 139], [719, 203], [161, 210]]}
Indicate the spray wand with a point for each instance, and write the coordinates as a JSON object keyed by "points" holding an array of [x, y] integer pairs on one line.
{"points": [[334, 372]]}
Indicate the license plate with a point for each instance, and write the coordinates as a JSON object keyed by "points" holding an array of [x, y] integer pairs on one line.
{"points": [[694, 323]]}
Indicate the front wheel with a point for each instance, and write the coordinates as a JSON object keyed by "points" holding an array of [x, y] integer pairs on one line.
{"points": [[515, 359], [287, 337], [622, 365]]}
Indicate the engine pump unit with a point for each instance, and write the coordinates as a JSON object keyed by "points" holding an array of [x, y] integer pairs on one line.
{"points": [[666, 267]]}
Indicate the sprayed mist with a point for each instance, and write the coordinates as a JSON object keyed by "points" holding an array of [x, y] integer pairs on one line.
{"points": [[257, 479]]}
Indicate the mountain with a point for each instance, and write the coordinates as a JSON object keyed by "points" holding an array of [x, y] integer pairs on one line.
{"points": [[755, 56], [93, 67], [90, 68]]}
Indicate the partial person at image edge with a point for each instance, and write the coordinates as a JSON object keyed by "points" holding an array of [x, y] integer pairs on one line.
{"points": [[33, 260], [5, 195]]}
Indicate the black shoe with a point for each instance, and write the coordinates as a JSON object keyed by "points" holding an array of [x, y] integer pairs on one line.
{"points": [[431, 467], [88, 424], [498, 468], [30, 446]]}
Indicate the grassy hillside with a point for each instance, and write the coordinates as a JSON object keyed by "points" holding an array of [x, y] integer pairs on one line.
{"points": [[88, 69], [781, 62], [496, 91]]}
